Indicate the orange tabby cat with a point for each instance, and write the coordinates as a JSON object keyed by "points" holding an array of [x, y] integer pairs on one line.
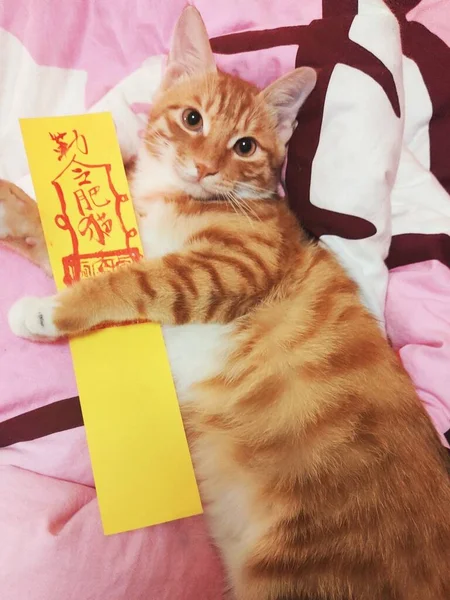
{"points": [[321, 474]]}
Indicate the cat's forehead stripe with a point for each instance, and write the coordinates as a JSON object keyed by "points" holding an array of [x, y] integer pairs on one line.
{"points": [[209, 103], [174, 107], [221, 109], [214, 106]]}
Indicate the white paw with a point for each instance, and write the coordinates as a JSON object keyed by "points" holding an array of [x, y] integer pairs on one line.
{"points": [[32, 318]]}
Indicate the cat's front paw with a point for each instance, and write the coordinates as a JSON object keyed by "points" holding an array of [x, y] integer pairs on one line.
{"points": [[32, 318]]}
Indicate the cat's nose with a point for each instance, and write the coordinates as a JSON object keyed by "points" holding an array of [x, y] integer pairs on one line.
{"points": [[204, 169]]}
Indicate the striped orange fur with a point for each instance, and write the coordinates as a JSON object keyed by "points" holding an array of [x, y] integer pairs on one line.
{"points": [[321, 474]]}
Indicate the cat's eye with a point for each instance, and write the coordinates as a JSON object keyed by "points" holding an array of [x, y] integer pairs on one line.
{"points": [[245, 146], [192, 119]]}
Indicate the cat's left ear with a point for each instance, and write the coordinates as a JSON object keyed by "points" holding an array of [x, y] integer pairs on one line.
{"points": [[285, 96], [190, 52]]}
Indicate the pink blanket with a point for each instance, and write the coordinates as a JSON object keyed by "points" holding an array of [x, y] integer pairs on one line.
{"points": [[368, 172]]}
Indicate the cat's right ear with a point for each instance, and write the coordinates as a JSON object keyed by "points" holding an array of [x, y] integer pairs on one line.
{"points": [[190, 53], [285, 96]]}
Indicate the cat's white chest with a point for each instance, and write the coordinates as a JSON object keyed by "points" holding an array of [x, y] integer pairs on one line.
{"points": [[196, 353], [160, 230]]}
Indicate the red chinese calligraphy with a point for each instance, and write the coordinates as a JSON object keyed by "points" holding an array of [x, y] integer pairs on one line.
{"points": [[86, 201], [97, 227], [63, 146], [91, 213], [82, 175]]}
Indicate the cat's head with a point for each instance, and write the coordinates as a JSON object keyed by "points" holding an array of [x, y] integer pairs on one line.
{"points": [[215, 135]]}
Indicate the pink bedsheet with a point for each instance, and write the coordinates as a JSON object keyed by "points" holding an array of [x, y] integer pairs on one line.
{"points": [[60, 58], [418, 318]]}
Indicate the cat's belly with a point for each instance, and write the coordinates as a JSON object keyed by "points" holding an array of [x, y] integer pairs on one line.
{"points": [[196, 352]]}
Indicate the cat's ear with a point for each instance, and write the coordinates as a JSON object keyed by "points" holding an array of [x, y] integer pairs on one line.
{"points": [[190, 53], [286, 95]]}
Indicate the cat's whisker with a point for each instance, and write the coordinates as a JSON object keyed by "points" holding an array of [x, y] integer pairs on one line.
{"points": [[237, 207], [224, 196], [243, 205], [156, 143], [243, 208], [259, 191], [157, 138], [246, 207]]}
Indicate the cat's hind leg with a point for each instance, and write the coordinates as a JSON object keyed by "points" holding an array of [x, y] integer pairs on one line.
{"points": [[20, 225]]}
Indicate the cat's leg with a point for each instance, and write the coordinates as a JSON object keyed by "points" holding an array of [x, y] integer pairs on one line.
{"points": [[20, 225], [194, 286]]}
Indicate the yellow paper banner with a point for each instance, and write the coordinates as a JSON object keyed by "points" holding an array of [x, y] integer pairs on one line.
{"points": [[140, 457]]}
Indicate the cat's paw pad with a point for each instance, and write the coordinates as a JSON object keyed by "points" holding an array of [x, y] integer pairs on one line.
{"points": [[32, 318]]}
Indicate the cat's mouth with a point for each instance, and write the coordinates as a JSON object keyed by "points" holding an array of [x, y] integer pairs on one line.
{"points": [[202, 189], [198, 189], [210, 188]]}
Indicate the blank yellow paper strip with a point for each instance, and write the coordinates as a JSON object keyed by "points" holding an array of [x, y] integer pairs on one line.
{"points": [[140, 458]]}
